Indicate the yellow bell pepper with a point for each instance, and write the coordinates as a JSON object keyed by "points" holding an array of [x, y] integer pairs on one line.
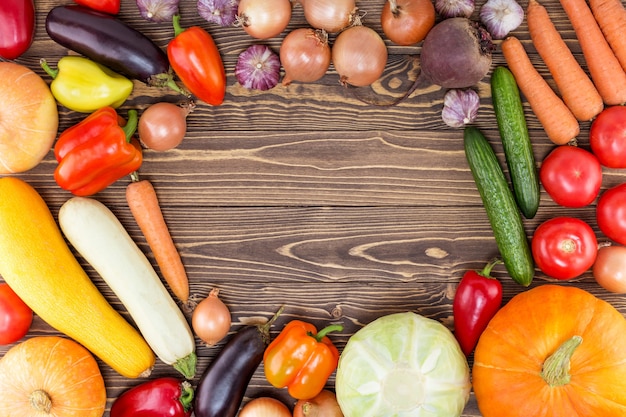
{"points": [[85, 86]]}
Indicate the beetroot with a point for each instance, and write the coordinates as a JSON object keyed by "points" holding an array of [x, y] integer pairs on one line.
{"points": [[456, 53]]}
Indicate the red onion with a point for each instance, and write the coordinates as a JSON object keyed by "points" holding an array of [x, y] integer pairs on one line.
{"points": [[359, 55], [221, 12], [157, 10], [305, 55], [258, 68]]}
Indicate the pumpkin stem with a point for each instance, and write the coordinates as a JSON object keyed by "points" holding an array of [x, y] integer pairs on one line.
{"points": [[556, 367], [40, 401]]}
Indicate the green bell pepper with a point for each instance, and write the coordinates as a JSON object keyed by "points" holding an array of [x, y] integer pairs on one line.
{"points": [[85, 86]]}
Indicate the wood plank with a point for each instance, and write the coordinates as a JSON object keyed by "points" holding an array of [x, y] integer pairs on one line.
{"points": [[309, 197]]}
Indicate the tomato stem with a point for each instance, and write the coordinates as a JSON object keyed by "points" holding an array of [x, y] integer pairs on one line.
{"points": [[555, 369]]}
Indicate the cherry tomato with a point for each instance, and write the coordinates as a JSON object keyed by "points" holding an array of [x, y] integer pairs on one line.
{"points": [[15, 316], [607, 137], [609, 270], [611, 213], [564, 247], [571, 176]]}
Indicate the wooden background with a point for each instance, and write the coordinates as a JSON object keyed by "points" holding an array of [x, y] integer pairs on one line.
{"points": [[306, 197]]}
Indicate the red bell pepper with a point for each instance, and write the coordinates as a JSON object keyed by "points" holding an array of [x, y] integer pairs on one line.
{"points": [[96, 152], [194, 57], [161, 397], [17, 27], [106, 6], [477, 299], [301, 359]]}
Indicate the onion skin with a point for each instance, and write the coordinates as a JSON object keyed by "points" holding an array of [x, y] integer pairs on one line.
{"points": [[264, 19], [163, 126], [211, 319], [359, 55], [323, 405], [407, 22], [265, 407], [456, 53], [305, 55], [330, 15]]}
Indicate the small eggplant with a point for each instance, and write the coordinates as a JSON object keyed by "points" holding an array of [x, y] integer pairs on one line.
{"points": [[223, 385], [110, 42]]}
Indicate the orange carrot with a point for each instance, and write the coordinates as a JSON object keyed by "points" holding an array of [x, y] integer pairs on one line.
{"points": [[556, 118], [611, 17], [144, 205], [606, 72], [573, 83]]}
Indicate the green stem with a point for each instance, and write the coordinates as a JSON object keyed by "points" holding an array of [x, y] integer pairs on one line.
{"points": [[186, 396], [324, 332], [187, 365], [131, 124], [50, 71], [556, 368], [265, 328], [486, 272], [178, 29]]}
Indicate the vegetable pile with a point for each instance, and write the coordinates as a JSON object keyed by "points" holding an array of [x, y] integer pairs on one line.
{"points": [[556, 341]]}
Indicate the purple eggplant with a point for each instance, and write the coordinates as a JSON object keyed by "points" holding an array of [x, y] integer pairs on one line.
{"points": [[107, 40]]}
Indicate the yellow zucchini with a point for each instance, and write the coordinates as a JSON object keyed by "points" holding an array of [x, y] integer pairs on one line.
{"points": [[97, 234], [39, 266]]}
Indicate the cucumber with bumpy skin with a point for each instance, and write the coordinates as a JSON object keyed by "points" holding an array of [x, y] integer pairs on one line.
{"points": [[515, 141], [502, 210]]}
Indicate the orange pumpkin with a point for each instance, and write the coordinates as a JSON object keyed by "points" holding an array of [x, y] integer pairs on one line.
{"points": [[552, 351], [50, 376]]}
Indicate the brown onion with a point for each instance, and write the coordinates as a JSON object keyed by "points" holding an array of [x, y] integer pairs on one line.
{"points": [[406, 22], [305, 55], [323, 404], [330, 15], [359, 55], [162, 126], [211, 319], [263, 19], [265, 407]]}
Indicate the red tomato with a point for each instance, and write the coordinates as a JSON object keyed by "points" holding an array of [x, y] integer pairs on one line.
{"points": [[564, 247], [571, 176], [609, 270], [607, 137], [15, 316], [611, 213]]}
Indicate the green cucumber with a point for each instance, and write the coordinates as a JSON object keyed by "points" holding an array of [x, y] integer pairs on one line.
{"points": [[502, 210], [515, 140]]}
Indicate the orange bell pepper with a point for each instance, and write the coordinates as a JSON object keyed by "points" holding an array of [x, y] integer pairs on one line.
{"points": [[301, 359]]}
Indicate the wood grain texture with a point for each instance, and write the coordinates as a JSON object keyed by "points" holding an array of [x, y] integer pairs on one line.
{"points": [[307, 197]]}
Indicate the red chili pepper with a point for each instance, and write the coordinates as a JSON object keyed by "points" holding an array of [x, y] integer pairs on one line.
{"points": [[196, 60], [478, 298], [161, 397], [301, 359], [96, 152], [17, 27], [106, 6]]}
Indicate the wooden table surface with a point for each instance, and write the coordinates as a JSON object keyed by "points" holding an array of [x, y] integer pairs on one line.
{"points": [[306, 197]]}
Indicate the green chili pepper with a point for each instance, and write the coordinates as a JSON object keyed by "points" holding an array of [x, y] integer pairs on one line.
{"points": [[85, 86]]}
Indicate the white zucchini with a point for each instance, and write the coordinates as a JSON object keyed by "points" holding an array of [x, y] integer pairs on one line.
{"points": [[97, 234]]}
